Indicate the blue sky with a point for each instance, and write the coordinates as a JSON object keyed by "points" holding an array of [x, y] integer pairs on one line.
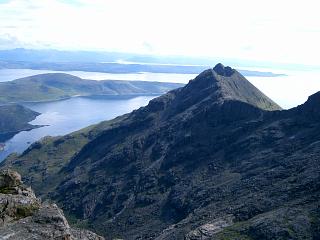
{"points": [[275, 31]]}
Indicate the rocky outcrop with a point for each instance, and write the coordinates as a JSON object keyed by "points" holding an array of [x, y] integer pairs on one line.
{"points": [[23, 216], [208, 230]]}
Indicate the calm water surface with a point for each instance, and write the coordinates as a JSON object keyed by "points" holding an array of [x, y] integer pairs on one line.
{"points": [[66, 116]]}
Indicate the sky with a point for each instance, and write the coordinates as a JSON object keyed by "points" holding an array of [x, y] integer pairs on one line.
{"points": [[281, 31]]}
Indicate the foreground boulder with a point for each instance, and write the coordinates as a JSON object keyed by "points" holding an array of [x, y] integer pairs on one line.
{"points": [[23, 216]]}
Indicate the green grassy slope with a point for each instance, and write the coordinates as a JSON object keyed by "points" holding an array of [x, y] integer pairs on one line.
{"points": [[51, 154]]}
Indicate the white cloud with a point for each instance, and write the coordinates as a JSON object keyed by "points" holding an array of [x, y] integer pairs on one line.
{"points": [[279, 31]]}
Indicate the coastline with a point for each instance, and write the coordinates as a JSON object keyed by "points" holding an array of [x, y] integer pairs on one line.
{"points": [[8, 135], [2, 146], [111, 96]]}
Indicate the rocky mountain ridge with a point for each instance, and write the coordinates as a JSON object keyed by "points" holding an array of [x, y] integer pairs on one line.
{"points": [[215, 159]]}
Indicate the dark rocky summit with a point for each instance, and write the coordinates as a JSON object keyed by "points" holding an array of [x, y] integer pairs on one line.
{"points": [[223, 71], [22, 216], [215, 159]]}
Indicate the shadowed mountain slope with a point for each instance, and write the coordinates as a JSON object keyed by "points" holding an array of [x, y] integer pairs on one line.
{"points": [[215, 159]]}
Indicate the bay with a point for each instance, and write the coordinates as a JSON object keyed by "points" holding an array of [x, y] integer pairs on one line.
{"points": [[66, 116]]}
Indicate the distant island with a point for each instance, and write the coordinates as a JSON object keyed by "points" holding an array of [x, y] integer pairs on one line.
{"points": [[57, 86], [120, 68], [110, 62]]}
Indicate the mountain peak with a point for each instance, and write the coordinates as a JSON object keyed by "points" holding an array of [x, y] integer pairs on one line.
{"points": [[221, 70], [223, 84]]}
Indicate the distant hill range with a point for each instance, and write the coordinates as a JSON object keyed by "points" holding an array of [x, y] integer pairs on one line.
{"points": [[13, 119], [108, 62], [215, 159], [56, 86]]}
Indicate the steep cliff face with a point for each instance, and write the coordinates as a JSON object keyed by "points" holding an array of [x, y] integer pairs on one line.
{"points": [[215, 159], [23, 216]]}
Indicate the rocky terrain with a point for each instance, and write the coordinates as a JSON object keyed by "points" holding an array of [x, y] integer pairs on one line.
{"points": [[13, 119], [216, 159], [23, 216]]}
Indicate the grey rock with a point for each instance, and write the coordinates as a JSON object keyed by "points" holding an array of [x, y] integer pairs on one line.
{"points": [[9, 179], [208, 230], [24, 217], [47, 223]]}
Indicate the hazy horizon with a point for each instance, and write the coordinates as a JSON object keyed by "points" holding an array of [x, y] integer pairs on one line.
{"points": [[281, 37], [267, 31]]}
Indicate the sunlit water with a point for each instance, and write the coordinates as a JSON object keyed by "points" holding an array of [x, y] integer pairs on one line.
{"points": [[66, 116]]}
